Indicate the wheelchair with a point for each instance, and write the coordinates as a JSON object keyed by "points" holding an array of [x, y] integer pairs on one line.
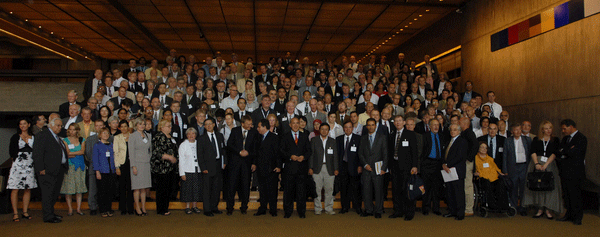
{"points": [[481, 204]]}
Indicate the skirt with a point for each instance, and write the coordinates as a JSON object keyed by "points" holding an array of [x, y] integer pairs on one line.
{"points": [[550, 199], [74, 181], [191, 188]]}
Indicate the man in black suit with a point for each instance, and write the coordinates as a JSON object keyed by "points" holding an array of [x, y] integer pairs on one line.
{"points": [[431, 164], [495, 144], [469, 93], [190, 101], [379, 128], [373, 150], [280, 102], [91, 85], [211, 160], [267, 164], [402, 162], [120, 98], [423, 126], [237, 116], [571, 168], [63, 109], [472, 147], [349, 168], [131, 68], [263, 77], [263, 111], [285, 117], [456, 153], [295, 150], [241, 147], [50, 164]]}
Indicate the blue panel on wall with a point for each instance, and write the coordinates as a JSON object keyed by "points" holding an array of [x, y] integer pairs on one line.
{"points": [[561, 15]]}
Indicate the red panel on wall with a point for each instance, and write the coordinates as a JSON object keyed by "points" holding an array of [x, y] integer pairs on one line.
{"points": [[513, 34], [523, 30]]}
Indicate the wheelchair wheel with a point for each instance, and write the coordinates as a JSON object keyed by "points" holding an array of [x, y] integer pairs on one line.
{"points": [[512, 211], [483, 212], [477, 197]]}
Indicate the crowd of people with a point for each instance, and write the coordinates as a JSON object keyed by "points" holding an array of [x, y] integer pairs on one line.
{"points": [[193, 130]]}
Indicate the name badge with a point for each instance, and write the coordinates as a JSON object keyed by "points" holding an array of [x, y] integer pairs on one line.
{"points": [[108, 154], [410, 187], [337, 94], [92, 133], [277, 113], [145, 140], [213, 106], [175, 134], [329, 151], [500, 149], [190, 106], [165, 106], [544, 159], [405, 143], [353, 149], [173, 141], [563, 157], [284, 119], [71, 146], [486, 165], [185, 126]]}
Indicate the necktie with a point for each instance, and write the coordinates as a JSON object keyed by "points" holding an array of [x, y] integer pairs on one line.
{"points": [[426, 128], [437, 146], [296, 138], [306, 108], [162, 100], [62, 145], [155, 115], [569, 139], [346, 149], [371, 140], [491, 145], [448, 149], [342, 118], [397, 145], [244, 142], [176, 120], [214, 142]]}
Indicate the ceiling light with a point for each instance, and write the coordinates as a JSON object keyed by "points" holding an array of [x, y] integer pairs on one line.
{"points": [[393, 35], [10, 12], [383, 43], [401, 29], [40, 27], [420, 15], [427, 10], [416, 19], [405, 26], [397, 32], [52, 32], [26, 20], [85, 56], [410, 23], [389, 38]]}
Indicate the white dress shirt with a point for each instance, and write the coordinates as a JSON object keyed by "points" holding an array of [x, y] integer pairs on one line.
{"points": [[520, 151]]}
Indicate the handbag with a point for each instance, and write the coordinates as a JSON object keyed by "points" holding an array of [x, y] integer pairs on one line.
{"points": [[540, 181], [416, 187]]}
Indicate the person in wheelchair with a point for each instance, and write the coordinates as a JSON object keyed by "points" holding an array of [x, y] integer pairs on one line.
{"points": [[488, 173]]}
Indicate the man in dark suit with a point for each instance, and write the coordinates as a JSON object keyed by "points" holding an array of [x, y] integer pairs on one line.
{"points": [[237, 116], [473, 145], [514, 163], [431, 163], [469, 93], [349, 169], [211, 160], [281, 101], [423, 126], [50, 164], [402, 162], [373, 155], [571, 167], [263, 111], [73, 117], [295, 150], [91, 85], [131, 68], [190, 101], [63, 109], [241, 147], [323, 166], [285, 117], [495, 144], [120, 98], [263, 77], [267, 164], [456, 154], [379, 128]]}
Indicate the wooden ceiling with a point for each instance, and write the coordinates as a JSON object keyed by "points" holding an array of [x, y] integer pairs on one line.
{"points": [[122, 29]]}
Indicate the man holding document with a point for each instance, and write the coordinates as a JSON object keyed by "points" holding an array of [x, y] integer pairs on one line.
{"points": [[373, 156], [454, 173]]}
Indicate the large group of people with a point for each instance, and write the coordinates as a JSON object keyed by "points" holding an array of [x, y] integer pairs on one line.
{"points": [[193, 130]]}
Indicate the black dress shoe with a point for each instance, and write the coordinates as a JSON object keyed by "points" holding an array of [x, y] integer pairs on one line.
{"points": [[437, 213], [260, 213], [93, 212], [364, 214], [377, 215], [302, 216], [448, 215], [577, 222], [244, 212], [459, 218], [57, 217], [229, 212], [217, 212], [523, 213], [425, 213], [287, 216], [123, 213], [55, 220], [564, 219], [359, 212], [273, 213], [209, 214], [408, 218], [395, 215], [343, 211]]}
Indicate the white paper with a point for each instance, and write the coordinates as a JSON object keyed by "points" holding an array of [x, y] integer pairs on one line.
{"points": [[378, 165], [108, 154], [449, 177], [165, 106], [92, 133], [284, 119], [185, 126], [486, 165], [175, 134]]}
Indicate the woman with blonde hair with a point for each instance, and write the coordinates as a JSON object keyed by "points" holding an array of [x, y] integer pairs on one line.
{"points": [[74, 180], [140, 151], [164, 157]]}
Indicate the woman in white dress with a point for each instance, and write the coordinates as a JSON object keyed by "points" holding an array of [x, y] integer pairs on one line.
{"points": [[21, 175]]}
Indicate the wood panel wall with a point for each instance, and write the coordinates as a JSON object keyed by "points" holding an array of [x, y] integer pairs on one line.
{"points": [[552, 76]]}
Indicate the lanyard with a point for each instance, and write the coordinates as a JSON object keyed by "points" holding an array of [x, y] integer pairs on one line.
{"points": [[545, 143]]}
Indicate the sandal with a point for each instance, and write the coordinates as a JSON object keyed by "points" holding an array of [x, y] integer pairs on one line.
{"points": [[166, 213], [27, 217], [80, 213], [188, 211], [16, 218], [196, 210], [104, 215]]}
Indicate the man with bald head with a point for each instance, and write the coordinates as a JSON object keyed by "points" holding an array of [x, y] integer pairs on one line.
{"points": [[91, 85], [313, 114], [526, 129], [472, 147], [63, 109]]}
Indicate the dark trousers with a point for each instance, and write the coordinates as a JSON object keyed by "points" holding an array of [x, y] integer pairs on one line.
{"points": [[372, 186], [456, 197], [164, 186], [496, 196], [387, 177], [350, 191], [106, 191], [50, 186], [125, 192], [239, 181], [295, 189], [430, 172], [211, 188], [571, 188], [402, 204], [519, 180], [268, 192]]}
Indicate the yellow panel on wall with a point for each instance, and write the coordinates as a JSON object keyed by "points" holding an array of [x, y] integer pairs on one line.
{"points": [[547, 20]]}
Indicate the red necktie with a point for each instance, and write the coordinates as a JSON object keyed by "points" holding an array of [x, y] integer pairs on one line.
{"points": [[176, 120], [296, 138]]}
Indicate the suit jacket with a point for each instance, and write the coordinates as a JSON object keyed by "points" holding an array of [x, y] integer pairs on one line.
{"points": [[258, 79], [407, 155], [168, 100], [310, 119], [379, 130], [115, 101], [48, 153], [63, 109], [383, 100], [82, 132], [457, 156], [257, 115], [369, 155], [284, 123], [237, 117], [572, 156], [469, 135], [280, 107], [267, 158], [428, 145], [235, 144], [288, 147], [316, 157], [207, 153], [420, 128], [499, 148], [351, 166], [509, 159]]}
